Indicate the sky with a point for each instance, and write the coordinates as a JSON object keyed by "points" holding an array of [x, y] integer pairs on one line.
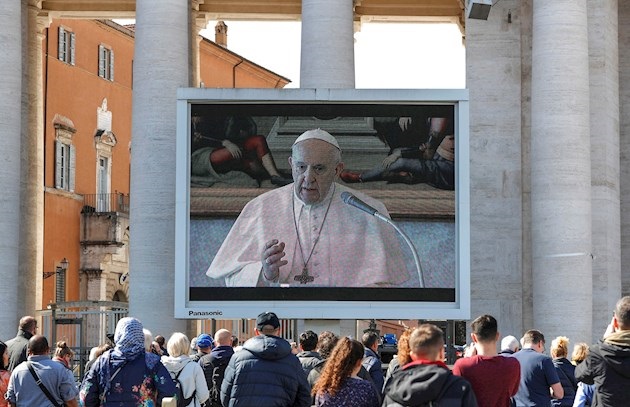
{"points": [[414, 55]]}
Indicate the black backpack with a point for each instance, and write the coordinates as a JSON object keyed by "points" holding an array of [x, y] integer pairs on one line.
{"points": [[217, 380], [179, 391]]}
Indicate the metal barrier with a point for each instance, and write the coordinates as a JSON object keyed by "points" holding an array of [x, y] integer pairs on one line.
{"points": [[82, 325]]}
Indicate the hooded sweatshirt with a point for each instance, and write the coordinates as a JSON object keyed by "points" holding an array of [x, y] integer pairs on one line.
{"points": [[265, 373], [608, 367], [191, 377], [422, 382]]}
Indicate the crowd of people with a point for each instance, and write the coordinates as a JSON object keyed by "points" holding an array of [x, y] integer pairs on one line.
{"points": [[322, 370]]}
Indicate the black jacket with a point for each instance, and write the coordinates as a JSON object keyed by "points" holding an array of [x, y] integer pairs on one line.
{"points": [[566, 373], [219, 359], [608, 366], [265, 373], [17, 349], [420, 384]]}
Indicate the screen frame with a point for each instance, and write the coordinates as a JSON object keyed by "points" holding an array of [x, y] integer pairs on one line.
{"points": [[451, 308]]}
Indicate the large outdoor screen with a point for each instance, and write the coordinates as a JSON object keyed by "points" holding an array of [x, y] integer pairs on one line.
{"points": [[404, 149]]}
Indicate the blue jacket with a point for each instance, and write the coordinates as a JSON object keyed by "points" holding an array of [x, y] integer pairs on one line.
{"points": [[372, 363], [265, 373], [139, 382]]}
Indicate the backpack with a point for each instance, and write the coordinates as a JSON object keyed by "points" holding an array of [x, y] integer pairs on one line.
{"points": [[179, 391], [217, 380]]}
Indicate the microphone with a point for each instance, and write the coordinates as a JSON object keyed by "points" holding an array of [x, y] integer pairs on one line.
{"points": [[352, 200]]}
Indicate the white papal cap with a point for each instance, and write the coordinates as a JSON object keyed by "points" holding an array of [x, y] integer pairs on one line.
{"points": [[318, 134]]}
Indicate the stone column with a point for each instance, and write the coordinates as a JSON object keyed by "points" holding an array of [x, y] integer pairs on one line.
{"points": [[327, 58], [198, 22], [624, 136], [10, 129], [561, 170], [161, 65], [494, 77], [604, 96], [31, 249], [327, 61]]}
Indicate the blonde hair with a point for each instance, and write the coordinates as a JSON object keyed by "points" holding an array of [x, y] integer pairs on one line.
{"points": [[580, 350], [177, 345], [148, 339], [404, 355], [63, 350], [559, 347]]}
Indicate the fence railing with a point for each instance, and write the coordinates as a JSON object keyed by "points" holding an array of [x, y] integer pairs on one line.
{"points": [[82, 325], [114, 202]]}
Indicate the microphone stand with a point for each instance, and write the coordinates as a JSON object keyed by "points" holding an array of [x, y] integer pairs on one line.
{"points": [[416, 259]]}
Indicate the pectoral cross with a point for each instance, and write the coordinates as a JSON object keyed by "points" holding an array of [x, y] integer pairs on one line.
{"points": [[304, 277]]}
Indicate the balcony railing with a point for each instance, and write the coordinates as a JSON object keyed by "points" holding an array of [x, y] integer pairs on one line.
{"points": [[114, 202]]}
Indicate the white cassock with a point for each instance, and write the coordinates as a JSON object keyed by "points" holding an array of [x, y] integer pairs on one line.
{"points": [[354, 249]]}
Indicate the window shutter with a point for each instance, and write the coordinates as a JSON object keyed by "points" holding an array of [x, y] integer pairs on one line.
{"points": [[111, 65], [72, 48], [58, 147], [61, 45], [71, 172], [101, 61]]}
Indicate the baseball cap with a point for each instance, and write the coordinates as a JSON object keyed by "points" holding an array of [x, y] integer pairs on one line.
{"points": [[204, 341], [267, 318]]}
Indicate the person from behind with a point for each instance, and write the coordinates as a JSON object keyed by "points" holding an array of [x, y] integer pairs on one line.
{"points": [[509, 345], [308, 355], [149, 344], [402, 357], [215, 363], [5, 375], [95, 353], [18, 346], [339, 384], [205, 343], [566, 371], [427, 379], [371, 359], [607, 364], [326, 342], [161, 341], [494, 378], [126, 375], [539, 378], [41, 381], [186, 371], [584, 393], [265, 372], [63, 354], [193, 346]]}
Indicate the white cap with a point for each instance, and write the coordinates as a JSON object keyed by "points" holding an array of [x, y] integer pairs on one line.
{"points": [[318, 134]]}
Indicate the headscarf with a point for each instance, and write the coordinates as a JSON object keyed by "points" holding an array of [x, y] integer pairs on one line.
{"points": [[129, 341], [129, 338]]}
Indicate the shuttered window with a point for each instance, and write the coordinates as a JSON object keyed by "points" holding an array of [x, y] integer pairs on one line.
{"points": [[64, 166], [105, 62], [66, 46]]}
